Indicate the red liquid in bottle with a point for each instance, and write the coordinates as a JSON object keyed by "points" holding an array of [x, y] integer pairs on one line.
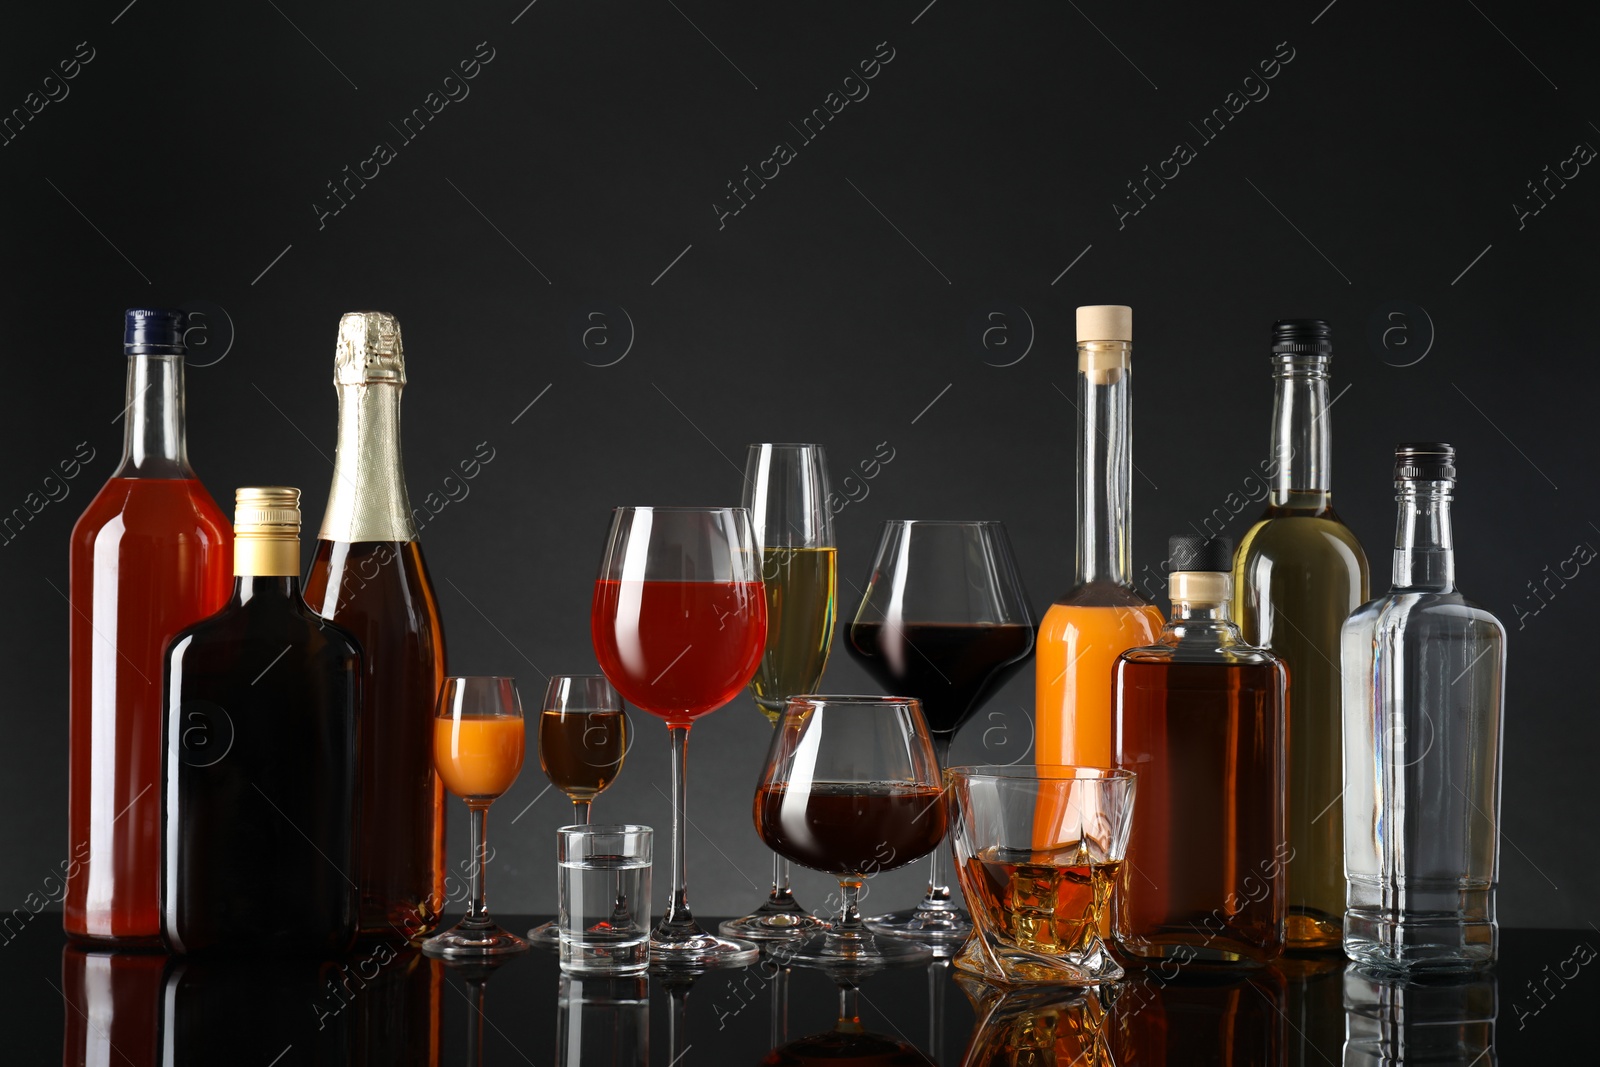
{"points": [[150, 556], [678, 649]]}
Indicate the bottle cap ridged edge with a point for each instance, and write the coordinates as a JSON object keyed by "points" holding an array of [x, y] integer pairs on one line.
{"points": [[267, 509], [1424, 461]]}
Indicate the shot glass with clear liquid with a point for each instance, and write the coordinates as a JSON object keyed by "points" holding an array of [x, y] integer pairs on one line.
{"points": [[604, 898]]}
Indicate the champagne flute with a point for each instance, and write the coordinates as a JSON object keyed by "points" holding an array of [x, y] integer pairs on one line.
{"points": [[679, 621], [851, 788], [944, 619], [786, 490], [583, 737], [478, 740]]}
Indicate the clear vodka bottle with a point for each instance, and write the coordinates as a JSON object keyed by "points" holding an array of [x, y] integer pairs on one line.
{"points": [[1423, 672]]}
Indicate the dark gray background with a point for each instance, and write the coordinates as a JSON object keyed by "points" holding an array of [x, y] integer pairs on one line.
{"points": [[845, 304]]}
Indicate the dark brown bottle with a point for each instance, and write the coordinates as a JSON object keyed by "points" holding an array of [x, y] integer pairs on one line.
{"points": [[368, 576], [261, 758]]}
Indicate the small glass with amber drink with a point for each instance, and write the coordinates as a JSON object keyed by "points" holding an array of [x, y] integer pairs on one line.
{"points": [[1038, 852]]}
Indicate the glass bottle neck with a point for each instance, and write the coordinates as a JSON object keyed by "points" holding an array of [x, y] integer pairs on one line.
{"points": [[1424, 544], [1200, 611], [1200, 607], [368, 500], [153, 444], [265, 587], [1302, 437], [1105, 462]]}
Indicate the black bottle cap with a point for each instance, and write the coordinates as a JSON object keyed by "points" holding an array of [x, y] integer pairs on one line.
{"points": [[153, 331], [1302, 336], [1189, 552], [1427, 461]]}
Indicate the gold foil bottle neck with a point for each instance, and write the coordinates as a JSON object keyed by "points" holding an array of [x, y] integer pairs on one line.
{"points": [[369, 349], [266, 531], [367, 501]]}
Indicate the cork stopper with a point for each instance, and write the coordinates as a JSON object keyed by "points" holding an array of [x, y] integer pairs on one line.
{"points": [[369, 349], [266, 531], [1105, 340], [1105, 322]]}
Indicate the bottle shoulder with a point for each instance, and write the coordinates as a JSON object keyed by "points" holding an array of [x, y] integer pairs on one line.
{"points": [[1423, 611], [344, 574], [1283, 537], [1103, 595], [152, 507], [271, 621], [1201, 645]]}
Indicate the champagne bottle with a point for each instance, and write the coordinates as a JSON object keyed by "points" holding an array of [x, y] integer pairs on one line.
{"points": [[151, 554], [259, 780], [368, 576], [1298, 575]]}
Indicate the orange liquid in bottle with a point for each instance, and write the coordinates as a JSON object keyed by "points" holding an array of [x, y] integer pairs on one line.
{"points": [[478, 756], [149, 557], [1078, 646]]}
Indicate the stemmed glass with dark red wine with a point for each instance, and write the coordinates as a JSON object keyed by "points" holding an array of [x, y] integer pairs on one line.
{"points": [[679, 620], [944, 619], [851, 788]]}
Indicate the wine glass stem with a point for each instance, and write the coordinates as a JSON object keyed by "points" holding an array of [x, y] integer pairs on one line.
{"points": [[850, 911], [780, 870], [678, 916], [938, 892], [580, 812], [477, 907]]}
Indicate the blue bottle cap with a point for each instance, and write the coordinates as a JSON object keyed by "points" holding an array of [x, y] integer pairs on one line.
{"points": [[153, 331]]}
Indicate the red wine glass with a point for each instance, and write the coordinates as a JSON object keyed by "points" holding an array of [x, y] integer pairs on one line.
{"points": [[851, 788], [679, 621], [944, 619]]}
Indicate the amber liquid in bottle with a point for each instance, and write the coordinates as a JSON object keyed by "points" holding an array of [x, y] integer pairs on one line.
{"points": [[368, 576], [1201, 719], [151, 554]]}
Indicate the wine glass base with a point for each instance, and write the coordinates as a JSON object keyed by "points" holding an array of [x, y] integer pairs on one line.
{"points": [[847, 956], [773, 926], [545, 935], [701, 952], [467, 942], [931, 925]]}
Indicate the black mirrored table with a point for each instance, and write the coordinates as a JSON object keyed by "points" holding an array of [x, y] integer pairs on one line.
{"points": [[390, 1006]]}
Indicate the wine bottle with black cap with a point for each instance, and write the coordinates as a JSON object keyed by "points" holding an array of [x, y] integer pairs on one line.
{"points": [[1201, 717], [151, 554], [1424, 701], [1298, 574]]}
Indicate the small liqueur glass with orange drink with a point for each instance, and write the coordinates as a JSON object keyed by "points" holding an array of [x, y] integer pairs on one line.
{"points": [[478, 738]]}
